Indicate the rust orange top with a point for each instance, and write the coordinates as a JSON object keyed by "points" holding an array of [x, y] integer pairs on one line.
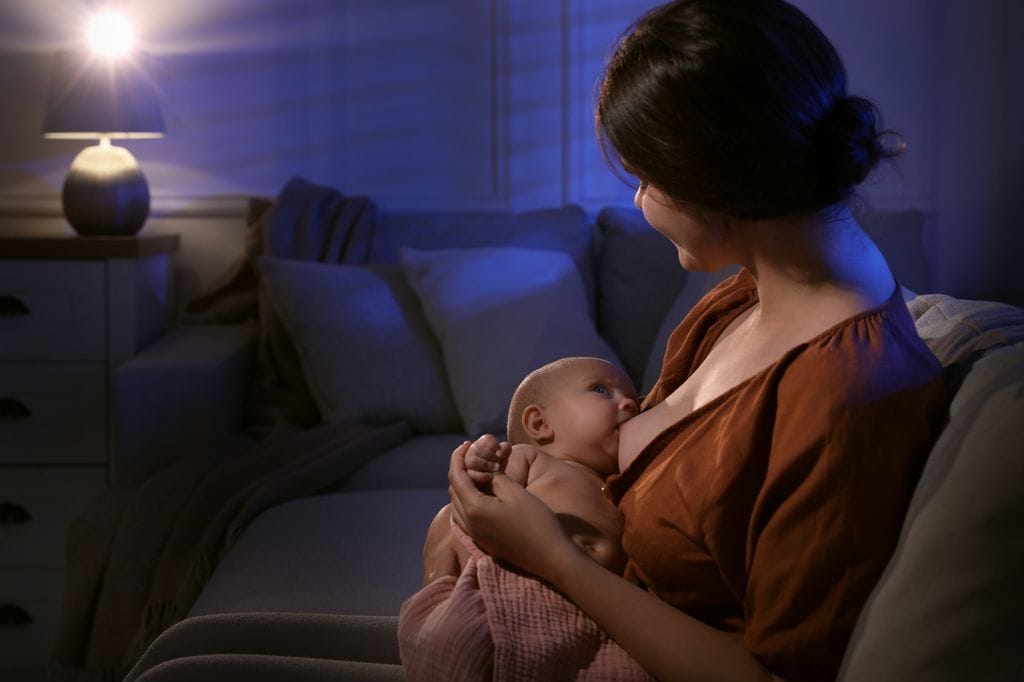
{"points": [[771, 511]]}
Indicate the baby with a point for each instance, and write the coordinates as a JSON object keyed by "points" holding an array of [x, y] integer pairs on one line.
{"points": [[563, 430]]}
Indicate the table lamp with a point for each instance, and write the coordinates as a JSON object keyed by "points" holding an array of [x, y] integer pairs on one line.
{"points": [[102, 97]]}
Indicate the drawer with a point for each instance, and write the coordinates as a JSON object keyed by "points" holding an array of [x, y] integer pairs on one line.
{"points": [[53, 414], [52, 310], [35, 596], [36, 508]]}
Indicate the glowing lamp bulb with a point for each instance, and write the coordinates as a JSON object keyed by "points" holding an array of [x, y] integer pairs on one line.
{"points": [[110, 34]]}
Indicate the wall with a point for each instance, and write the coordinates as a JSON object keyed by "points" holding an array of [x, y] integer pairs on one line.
{"points": [[488, 104]]}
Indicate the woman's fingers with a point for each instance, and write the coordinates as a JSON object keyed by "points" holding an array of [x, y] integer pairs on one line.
{"points": [[456, 509], [460, 485]]}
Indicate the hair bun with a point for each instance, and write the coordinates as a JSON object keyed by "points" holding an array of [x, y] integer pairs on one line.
{"points": [[849, 146]]}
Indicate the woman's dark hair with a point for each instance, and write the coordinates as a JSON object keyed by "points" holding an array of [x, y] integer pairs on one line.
{"points": [[738, 108]]}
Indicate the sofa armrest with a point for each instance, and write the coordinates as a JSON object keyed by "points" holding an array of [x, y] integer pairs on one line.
{"points": [[181, 394]]}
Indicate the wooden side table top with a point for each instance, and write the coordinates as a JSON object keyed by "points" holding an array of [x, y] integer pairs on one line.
{"points": [[79, 247]]}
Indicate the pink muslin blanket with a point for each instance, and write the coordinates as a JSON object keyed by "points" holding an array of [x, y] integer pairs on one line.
{"points": [[496, 623]]}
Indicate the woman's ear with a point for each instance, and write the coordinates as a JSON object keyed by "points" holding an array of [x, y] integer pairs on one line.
{"points": [[536, 425]]}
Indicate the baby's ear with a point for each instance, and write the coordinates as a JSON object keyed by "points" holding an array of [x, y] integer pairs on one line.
{"points": [[536, 424]]}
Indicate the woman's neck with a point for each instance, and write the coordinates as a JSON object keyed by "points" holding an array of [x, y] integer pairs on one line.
{"points": [[824, 262]]}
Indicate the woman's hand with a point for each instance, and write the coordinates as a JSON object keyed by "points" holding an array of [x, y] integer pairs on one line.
{"points": [[516, 527], [510, 524]]}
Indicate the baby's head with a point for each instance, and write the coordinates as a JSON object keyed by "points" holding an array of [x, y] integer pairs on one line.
{"points": [[572, 408]]}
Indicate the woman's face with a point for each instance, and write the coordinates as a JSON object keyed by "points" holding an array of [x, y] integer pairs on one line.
{"points": [[700, 247]]}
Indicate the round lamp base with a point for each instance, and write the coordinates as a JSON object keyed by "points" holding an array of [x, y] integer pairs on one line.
{"points": [[105, 192]]}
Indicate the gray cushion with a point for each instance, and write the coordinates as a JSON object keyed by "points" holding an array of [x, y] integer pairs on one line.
{"points": [[697, 284], [900, 237], [365, 347], [951, 603], [638, 277], [564, 229]]}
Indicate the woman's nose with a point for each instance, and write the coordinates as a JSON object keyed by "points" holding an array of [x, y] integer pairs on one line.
{"points": [[638, 197]]}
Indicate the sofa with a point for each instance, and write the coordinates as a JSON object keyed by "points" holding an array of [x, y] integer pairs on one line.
{"points": [[448, 308]]}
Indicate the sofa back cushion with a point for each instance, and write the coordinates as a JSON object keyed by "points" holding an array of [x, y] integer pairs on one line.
{"points": [[565, 229], [950, 605], [638, 278], [899, 235]]}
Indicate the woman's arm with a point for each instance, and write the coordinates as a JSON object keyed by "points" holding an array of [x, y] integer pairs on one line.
{"points": [[515, 526]]}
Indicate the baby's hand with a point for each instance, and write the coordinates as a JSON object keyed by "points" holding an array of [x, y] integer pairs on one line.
{"points": [[486, 456]]}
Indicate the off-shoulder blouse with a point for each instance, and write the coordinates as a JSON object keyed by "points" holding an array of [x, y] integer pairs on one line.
{"points": [[771, 511]]}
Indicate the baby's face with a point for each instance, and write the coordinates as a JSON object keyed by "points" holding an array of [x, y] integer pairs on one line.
{"points": [[592, 399]]}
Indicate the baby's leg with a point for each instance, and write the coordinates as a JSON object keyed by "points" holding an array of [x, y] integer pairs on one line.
{"points": [[443, 554]]}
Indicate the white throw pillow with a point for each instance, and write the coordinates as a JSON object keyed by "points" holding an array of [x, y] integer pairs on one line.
{"points": [[500, 313], [365, 347]]}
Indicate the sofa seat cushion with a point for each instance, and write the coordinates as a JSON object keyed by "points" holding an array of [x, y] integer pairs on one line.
{"points": [[420, 462], [357, 553]]}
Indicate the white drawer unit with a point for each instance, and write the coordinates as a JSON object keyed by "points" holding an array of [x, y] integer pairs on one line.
{"points": [[29, 609], [36, 507], [52, 310], [71, 310], [53, 414]]}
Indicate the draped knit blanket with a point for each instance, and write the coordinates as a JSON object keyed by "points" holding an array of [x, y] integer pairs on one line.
{"points": [[140, 554], [494, 623]]}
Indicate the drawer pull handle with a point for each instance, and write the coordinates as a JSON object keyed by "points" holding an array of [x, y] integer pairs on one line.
{"points": [[11, 306], [13, 513], [12, 614], [11, 410]]}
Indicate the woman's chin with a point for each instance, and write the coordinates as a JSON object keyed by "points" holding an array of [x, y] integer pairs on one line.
{"points": [[689, 263]]}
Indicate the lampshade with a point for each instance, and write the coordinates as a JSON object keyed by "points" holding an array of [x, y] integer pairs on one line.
{"points": [[91, 96], [94, 97]]}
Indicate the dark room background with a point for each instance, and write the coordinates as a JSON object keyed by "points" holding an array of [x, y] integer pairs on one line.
{"points": [[487, 104]]}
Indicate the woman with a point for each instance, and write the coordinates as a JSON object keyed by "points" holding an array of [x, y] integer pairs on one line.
{"points": [[764, 483]]}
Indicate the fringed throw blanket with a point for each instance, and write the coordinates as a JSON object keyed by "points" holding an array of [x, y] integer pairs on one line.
{"points": [[139, 556], [493, 623]]}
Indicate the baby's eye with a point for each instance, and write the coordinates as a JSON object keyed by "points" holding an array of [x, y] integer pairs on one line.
{"points": [[600, 388]]}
